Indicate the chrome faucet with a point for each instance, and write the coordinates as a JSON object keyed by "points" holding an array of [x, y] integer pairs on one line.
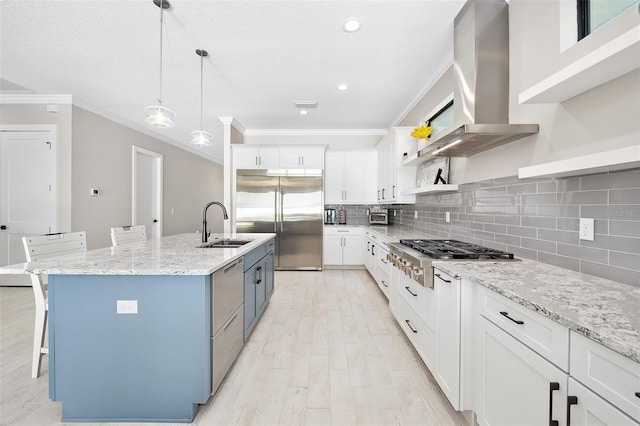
{"points": [[204, 218]]}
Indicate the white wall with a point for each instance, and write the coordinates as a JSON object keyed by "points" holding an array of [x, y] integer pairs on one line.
{"points": [[601, 119], [102, 159]]}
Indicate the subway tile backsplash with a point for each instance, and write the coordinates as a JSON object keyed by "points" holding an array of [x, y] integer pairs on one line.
{"points": [[539, 219]]}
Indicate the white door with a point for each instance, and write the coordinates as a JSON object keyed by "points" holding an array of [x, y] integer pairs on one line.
{"points": [[27, 191], [147, 191]]}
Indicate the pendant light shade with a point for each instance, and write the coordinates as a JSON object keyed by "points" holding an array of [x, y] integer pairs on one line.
{"points": [[201, 137], [159, 115]]}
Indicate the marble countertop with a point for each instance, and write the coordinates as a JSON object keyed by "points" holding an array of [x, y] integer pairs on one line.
{"points": [[605, 311], [173, 255]]}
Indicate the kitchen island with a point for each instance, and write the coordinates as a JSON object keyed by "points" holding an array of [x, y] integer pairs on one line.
{"points": [[132, 329]]}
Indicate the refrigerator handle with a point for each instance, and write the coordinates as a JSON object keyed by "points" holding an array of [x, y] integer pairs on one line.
{"points": [[275, 203], [281, 220]]}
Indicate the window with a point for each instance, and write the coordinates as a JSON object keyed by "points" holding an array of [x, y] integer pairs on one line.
{"points": [[441, 119], [594, 13]]}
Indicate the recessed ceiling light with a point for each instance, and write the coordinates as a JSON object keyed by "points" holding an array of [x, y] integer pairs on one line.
{"points": [[351, 25], [342, 87], [304, 112]]}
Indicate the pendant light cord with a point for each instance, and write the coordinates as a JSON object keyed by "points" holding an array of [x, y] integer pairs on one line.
{"points": [[161, 26], [201, 89]]}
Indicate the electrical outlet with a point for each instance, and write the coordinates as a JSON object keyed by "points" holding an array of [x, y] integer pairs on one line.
{"points": [[586, 229], [415, 214], [447, 217], [126, 306], [394, 213]]}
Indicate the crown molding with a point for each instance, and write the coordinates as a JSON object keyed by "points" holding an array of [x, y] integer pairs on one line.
{"points": [[315, 132], [34, 98]]}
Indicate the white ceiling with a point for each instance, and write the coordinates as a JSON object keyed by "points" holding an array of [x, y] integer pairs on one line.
{"points": [[263, 56]]}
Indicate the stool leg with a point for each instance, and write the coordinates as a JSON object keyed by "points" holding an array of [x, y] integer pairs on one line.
{"points": [[38, 340]]}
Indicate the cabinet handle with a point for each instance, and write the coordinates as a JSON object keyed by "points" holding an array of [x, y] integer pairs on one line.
{"points": [[409, 324], [229, 323], [343, 230], [378, 195], [383, 261], [383, 194], [506, 314], [553, 386], [258, 275], [373, 253], [571, 400], [383, 283], [393, 194], [439, 276], [368, 244], [412, 293]]}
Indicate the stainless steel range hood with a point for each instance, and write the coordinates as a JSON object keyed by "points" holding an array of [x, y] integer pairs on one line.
{"points": [[481, 84]]}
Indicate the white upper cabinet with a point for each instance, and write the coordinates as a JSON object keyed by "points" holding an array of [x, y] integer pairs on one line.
{"points": [[302, 157], [350, 177], [255, 157], [278, 156], [393, 177]]}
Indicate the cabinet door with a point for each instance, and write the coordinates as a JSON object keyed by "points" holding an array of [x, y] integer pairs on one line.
{"points": [[249, 300], [269, 158], [352, 250], [404, 177], [260, 281], [587, 408], [312, 157], [334, 177], [269, 274], [382, 168], [514, 385], [290, 158], [332, 250], [360, 176], [447, 373], [245, 157]]}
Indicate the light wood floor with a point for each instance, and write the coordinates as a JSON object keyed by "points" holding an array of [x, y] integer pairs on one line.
{"points": [[327, 351]]}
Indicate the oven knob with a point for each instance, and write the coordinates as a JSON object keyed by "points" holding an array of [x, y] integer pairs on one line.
{"points": [[416, 273], [407, 268]]}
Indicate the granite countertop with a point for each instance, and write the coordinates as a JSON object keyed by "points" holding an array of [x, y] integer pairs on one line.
{"points": [[604, 311], [173, 255]]}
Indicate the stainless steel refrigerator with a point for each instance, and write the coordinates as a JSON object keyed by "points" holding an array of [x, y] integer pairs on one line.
{"points": [[290, 206]]}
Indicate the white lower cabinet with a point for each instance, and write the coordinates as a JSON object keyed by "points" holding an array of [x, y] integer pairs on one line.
{"points": [[342, 246], [514, 385]]}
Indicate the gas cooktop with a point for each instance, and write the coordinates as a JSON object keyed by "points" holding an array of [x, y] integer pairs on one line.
{"points": [[454, 249]]}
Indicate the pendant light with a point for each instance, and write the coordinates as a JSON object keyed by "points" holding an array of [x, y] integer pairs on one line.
{"points": [[201, 137], [159, 115]]}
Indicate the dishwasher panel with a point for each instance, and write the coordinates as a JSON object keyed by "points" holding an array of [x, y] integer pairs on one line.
{"points": [[226, 345], [228, 293]]}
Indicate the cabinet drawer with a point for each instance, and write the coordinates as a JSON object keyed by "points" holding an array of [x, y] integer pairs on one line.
{"points": [[421, 299], [614, 377], [589, 408], [258, 253], [342, 230], [421, 336], [544, 336], [228, 293], [226, 345]]}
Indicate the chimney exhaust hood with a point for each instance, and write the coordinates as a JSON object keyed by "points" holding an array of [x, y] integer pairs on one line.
{"points": [[481, 84]]}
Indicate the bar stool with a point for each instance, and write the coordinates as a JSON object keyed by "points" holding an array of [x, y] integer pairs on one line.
{"points": [[38, 248], [128, 234]]}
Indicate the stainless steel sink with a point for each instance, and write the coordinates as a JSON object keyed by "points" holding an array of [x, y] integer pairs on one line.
{"points": [[225, 243]]}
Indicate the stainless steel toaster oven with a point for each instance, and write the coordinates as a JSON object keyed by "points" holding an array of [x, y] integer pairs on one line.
{"points": [[378, 216]]}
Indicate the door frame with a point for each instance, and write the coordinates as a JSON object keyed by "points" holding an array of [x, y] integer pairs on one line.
{"points": [[158, 162]]}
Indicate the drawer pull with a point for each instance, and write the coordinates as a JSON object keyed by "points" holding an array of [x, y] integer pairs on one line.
{"points": [[506, 314], [439, 276], [571, 400], [412, 293], [553, 386], [383, 283], [231, 321], [409, 324], [258, 275]]}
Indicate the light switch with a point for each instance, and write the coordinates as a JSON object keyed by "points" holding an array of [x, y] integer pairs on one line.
{"points": [[447, 217], [126, 306]]}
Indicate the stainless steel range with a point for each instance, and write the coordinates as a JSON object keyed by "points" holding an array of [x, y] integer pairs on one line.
{"points": [[415, 257]]}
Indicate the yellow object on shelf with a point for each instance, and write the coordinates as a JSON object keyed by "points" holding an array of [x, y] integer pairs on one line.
{"points": [[422, 132]]}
